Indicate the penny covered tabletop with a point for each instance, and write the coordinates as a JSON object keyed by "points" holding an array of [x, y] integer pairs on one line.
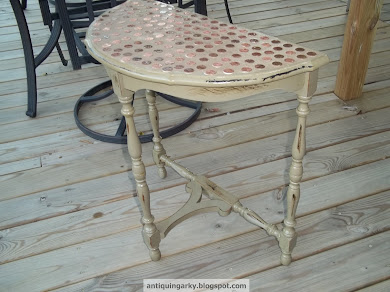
{"points": [[153, 40]]}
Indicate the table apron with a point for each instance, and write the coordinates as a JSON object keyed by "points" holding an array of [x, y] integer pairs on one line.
{"points": [[301, 84]]}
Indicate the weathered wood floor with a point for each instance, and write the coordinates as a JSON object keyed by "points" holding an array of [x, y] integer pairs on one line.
{"points": [[69, 220]]}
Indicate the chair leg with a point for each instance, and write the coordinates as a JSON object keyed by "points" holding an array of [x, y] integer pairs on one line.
{"points": [[289, 235], [200, 7], [68, 33], [158, 148], [348, 4], [32, 96], [228, 11], [28, 58], [55, 30], [90, 12]]}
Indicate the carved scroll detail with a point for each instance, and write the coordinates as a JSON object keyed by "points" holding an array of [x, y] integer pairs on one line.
{"points": [[219, 197], [192, 207]]}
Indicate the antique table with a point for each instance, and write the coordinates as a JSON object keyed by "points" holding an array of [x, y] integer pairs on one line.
{"points": [[154, 46]]}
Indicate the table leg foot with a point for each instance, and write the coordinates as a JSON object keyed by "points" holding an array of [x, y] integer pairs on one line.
{"points": [[155, 254], [152, 237], [285, 259], [162, 172], [287, 242]]}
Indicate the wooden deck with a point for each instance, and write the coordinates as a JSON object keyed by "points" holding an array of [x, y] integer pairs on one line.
{"points": [[69, 220]]}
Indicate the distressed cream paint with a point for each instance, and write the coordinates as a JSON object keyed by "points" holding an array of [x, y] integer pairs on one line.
{"points": [[154, 46]]}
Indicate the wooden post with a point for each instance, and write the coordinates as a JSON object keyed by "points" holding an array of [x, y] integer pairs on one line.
{"points": [[358, 38]]}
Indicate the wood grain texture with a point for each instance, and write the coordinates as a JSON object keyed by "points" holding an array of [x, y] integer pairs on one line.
{"points": [[378, 287], [240, 255], [365, 259], [20, 165], [217, 138], [256, 179], [74, 222], [358, 39], [66, 197], [256, 12], [102, 255]]}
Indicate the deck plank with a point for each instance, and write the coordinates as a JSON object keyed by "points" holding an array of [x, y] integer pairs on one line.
{"points": [[107, 254], [14, 150], [217, 138], [291, 19], [254, 251], [378, 287], [117, 187], [256, 12], [68, 215], [256, 180], [20, 165], [365, 260]]}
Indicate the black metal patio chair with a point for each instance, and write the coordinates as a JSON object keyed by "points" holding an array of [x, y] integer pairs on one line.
{"points": [[31, 61], [69, 17]]}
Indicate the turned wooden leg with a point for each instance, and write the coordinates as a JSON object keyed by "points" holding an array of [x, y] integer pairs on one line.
{"points": [[150, 232], [158, 148], [289, 235]]}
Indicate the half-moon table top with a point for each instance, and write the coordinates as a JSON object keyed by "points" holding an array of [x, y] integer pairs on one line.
{"points": [[154, 41]]}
